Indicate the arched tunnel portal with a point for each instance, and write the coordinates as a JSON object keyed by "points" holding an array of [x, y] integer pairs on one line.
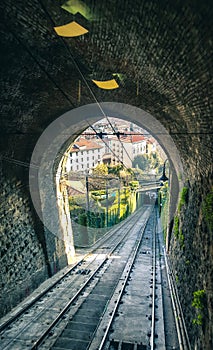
{"points": [[160, 53], [46, 184]]}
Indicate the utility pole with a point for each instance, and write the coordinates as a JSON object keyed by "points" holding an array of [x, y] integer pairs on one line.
{"points": [[119, 201], [87, 193], [107, 204]]}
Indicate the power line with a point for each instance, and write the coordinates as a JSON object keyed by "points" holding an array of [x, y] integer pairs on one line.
{"points": [[121, 161], [65, 95], [83, 78], [19, 162], [40, 66], [91, 126]]}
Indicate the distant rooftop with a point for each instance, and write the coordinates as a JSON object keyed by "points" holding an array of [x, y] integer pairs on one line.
{"points": [[84, 144]]}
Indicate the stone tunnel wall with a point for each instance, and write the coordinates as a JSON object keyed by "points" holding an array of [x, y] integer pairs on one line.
{"points": [[28, 253], [192, 258], [23, 265], [164, 51]]}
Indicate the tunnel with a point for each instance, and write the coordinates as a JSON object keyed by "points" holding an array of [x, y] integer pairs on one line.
{"points": [[159, 53]]}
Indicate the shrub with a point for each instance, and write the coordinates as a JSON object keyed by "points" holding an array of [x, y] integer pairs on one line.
{"points": [[133, 185]]}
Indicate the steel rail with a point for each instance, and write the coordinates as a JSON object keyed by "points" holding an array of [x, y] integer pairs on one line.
{"points": [[60, 279], [130, 263], [65, 309], [183, 338], [45, 291], [67, 306], [152, 338], [181, 321]]}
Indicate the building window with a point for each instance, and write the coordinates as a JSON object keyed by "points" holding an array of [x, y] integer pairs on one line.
{"points": [[77, 167], [87, 158], [76, 160]]}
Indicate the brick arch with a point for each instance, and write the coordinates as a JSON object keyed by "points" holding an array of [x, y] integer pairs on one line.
{"points": [[52, 206], [163, 49]]}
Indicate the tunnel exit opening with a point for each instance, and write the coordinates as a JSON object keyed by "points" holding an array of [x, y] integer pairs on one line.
{"points": [[110, 170], [52, 203]]}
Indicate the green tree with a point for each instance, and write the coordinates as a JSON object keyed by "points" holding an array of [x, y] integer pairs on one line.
{"points": [[100, 170], [115, 169], [142, 162], [98, 179], [147, 162]]}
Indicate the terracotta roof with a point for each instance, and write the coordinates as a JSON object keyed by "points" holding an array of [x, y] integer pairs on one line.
{"points": [[130, 138], [137, 138], [151, 141], [83, 145]]}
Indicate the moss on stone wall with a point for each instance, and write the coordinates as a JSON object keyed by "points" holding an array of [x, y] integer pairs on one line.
{"points": [[177, 228], [198, 304], [183, 198], [178, 233], [207, 210]]}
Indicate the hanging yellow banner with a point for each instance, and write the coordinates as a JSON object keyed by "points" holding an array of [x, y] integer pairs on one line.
{"points": [[71, 29], [107, 84]]}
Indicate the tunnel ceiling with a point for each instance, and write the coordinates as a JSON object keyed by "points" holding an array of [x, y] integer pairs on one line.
{"points": [[161, 51]]}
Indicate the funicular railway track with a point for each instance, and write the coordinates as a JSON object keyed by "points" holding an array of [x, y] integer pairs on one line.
{"points": [[27, 325], [115, 235], [135, 307], [110, 300]]}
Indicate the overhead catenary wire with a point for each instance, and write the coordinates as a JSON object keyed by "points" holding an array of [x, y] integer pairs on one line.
{"points": [[19, 162], [67, 156], [39, 64], [91, 126], [28, 165], [126, 134], [65, 95], [82, 76], [121, 161]]}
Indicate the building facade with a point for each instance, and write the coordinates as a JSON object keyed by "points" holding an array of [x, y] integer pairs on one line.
{"points": [[127, 148], [84, 155]]}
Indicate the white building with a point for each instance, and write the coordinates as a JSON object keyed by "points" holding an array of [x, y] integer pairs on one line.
{"points": [[127, 148], [151, 146], [84, 155]]}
